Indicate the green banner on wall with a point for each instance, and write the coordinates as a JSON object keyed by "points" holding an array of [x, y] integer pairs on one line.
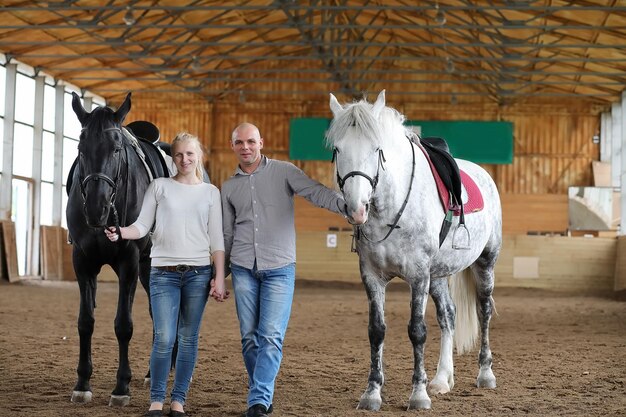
{"points": [[476, 141]]}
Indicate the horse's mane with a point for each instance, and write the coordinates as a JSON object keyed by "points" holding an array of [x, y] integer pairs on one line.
{"points": [[360, 116]]}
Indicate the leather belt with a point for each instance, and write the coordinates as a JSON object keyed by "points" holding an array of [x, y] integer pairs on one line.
{"points": [[181, 268]]}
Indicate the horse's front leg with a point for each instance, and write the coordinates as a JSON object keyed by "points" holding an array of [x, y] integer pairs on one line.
{"points": [[375, 288], [417, 333], [443, 382], [127, 273], [87, 284]]}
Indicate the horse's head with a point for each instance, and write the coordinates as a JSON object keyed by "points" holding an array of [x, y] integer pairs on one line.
{"points": [[355, 137], [100, 153]]}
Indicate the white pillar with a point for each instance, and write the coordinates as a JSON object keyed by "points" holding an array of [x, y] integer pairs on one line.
{"points": [[6, 189], [57, 204], [620, 126], [616, 146], [37, 156]]}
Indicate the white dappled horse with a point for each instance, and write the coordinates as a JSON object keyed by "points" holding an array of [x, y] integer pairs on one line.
{"points": [[393, 201]]}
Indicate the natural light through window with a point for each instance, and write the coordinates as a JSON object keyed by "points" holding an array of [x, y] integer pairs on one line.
{"points": [[25, 99], [23, 150]]}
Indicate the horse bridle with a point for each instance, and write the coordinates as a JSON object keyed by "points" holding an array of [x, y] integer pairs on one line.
{"points": [[373, 181], [102, 176], [381, 158]]}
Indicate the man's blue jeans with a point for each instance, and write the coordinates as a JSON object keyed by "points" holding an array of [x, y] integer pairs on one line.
{"points": [[263, 300], [178, 301]]}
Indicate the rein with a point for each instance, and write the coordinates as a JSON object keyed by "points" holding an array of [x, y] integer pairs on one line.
{"points": [[113, 183], [357, 228]]}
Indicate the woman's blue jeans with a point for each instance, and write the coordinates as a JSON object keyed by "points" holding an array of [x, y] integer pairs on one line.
{"points": [[177, 300], [263, 300]]}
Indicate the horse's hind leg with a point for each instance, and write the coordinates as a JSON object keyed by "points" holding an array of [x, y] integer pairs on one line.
{"points": [[127, 274], [375, 288], [483, 272], [87, 285], [444, 379]]}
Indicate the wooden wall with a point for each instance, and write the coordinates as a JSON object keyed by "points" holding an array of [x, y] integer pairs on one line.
{"points": [[520, 215], [572, 264], [552, 151]]}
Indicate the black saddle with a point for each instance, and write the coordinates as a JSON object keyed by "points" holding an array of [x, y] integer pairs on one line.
{"points": [[448, 170], [439, 153]]}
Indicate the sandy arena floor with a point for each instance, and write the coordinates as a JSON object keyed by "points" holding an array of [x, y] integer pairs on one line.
{"points": [[554, 355]]}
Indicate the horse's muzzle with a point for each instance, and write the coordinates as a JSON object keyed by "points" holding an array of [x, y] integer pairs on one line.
{"points": [[359, 216], [96, 218]]}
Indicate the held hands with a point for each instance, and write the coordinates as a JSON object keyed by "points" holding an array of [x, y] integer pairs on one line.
{"points": [[111, 233], [218, 289]]}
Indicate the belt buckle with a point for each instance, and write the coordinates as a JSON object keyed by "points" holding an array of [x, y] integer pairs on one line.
{"points": [[181, 269]]}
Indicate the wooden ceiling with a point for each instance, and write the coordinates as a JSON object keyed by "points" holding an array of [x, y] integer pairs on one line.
{"points": [[427, 51]]}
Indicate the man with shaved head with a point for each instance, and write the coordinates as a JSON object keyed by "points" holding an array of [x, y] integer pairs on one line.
{"points": [[260, 245]]}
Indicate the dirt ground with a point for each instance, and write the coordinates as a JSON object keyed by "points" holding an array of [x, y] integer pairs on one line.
{"points": [[554, 355]]}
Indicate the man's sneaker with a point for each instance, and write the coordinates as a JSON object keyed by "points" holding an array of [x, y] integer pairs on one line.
{"points": [[258, 410]]}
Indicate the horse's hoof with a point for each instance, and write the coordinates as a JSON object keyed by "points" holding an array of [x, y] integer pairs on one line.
{"points": [[119, 400], [486, 383], [486, 379], [437, 388], [146, 382], [422, 404], [369, 403], [81, 396]]}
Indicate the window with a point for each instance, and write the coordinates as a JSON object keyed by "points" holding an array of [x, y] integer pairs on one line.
{"points": [[49, 107], [63, 207], [47, 197], [23, 150], [47, 157], [24, 99], [3, 77], [70, 152], [71, 125], [1, 142]]}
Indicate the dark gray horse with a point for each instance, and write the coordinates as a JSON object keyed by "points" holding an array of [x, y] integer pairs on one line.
{"points": [[106, 188], [392, 199]]}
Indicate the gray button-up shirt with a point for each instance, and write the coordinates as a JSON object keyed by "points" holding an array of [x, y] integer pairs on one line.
{"points": [[258, 213]]}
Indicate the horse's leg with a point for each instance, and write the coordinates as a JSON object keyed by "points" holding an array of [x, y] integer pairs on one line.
{"points": [[87, 284], [483, 271], [375, 288], [417, 333], [127, 273], [444, 379]]}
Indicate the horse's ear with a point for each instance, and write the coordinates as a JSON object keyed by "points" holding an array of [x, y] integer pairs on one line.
{"points": [[80, 111], [380, 103], [123, 110], [335, 107]]}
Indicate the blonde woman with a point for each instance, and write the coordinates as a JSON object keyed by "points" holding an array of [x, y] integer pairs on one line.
{"points": [[187, 218]]}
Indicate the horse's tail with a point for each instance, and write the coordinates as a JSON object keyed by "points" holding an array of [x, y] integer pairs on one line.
{"points": [[463, 292]]}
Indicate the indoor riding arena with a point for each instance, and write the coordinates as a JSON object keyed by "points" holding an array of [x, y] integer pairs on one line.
{"points": [[533, 91]]}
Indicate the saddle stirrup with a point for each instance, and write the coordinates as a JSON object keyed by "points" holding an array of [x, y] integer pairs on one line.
{"points": [[461, 241]]}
